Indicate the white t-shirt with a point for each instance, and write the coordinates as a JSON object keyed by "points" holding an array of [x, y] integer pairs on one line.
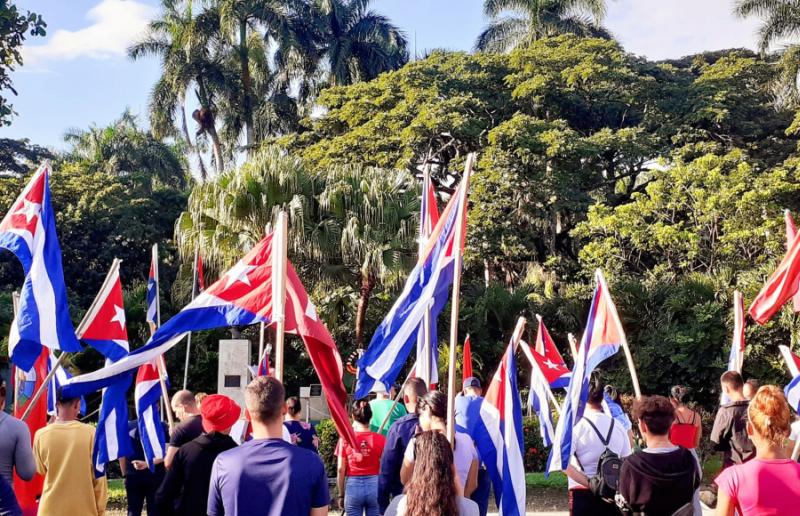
{"points": [[466, 507], [238, 429], [463, 455], [588, 447]]}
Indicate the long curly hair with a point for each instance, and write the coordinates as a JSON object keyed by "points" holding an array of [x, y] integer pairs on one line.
{"points": [[432, 489]]}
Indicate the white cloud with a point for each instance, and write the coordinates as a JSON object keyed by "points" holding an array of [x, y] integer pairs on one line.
{"points": [[675, 28], [114, 25]]}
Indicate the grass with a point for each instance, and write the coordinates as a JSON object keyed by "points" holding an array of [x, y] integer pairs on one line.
{"points": [[116, 492], [537, 480], [711, 467]]}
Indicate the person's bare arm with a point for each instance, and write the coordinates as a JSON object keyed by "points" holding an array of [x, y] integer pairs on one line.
{"points": [[699, 425], [725, 505], [577, 475], [471, 482], [171, 451], [123, 465], [319, 511], [341, 470], [406, 471]]}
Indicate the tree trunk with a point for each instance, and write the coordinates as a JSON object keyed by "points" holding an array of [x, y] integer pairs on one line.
{"points": [[367, 286], [192, 147], [246, 85], [205, 102]]}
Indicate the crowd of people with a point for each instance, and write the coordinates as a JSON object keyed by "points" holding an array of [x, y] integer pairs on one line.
{"points": [[221, 459]]}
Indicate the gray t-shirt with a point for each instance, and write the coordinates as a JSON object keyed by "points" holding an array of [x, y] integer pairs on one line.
{"points": [[15, 449], [466, 507]]}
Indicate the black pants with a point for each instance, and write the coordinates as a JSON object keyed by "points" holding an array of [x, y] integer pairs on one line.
{"points": [[583, 503], [481, 493], [142, 486]]}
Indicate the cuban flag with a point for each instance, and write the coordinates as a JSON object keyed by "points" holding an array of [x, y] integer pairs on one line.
{"points": [[147, 394], [153, 313], [242, 296], [426, 290], [56, 381], [792, 390], [427, 343], [111, 438], [104, 325], [601, 339], [497, 432], [792, 361], [263, 366], [29, 231], [549, 360], [539, 395]]}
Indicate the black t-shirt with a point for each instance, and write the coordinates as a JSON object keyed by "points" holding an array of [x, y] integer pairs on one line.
{"points": [[730, 433], [185, 488], [186, 431]]}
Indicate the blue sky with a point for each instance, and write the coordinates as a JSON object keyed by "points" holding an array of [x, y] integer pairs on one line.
{"points": [[79, 74]]}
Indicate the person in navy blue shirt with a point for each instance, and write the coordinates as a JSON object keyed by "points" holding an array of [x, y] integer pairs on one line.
{"points": [[140, 483], [400, 434], [267, 475], [301, 433]]}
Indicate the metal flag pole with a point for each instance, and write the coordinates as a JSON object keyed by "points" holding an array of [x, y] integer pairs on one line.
{"points": [[78, 333], [279, 250], [457, 259], [189, 335]]}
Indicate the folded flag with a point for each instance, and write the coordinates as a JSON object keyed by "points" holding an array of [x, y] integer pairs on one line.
{"points": [[548, 358], [497, 432], [792, 390], [242, 296], [736, 358], [427, 343], [201, 281], [601, 339], [466, 368], [263, 366], [104, 326], [781, 286], [426, 291], [152, 316], [56, 381], [146, 395], [111, 438], [792, 361], [29, 231]]}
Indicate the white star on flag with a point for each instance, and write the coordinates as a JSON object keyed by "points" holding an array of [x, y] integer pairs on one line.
{"points": [[550, 364], [29, 209], [119, 316], [239, 272]]}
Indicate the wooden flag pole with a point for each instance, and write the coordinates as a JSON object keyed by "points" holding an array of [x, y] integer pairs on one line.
{"points": [[536, 371], [625, 348], [573, 348], [397, 399], [457, 259], [79, 333], [189, 335], [279, 259]]}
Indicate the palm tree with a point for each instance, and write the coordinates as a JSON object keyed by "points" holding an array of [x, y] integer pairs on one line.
{"points": [[781, 19], [516, 23], [357, 44], [348, 225], [182, 41], [122, 149]]}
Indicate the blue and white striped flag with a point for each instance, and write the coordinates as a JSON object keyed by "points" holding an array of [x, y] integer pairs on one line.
{"points": [[152, 290], [147, 394], [111, 440], [426, 289]]}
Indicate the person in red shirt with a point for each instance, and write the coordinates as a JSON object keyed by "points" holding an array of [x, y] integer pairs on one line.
{"points": [[357, 475]]}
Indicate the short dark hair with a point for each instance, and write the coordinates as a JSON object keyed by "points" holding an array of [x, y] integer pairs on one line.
{"points": [[752, 382], [595, 392], [362, 412], [293, 406], [416, 386], [732, 379], [63, 399], [264, 398], [656, 411]]}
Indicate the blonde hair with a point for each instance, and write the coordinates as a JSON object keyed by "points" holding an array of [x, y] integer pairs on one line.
{"points": [[769, 414]]}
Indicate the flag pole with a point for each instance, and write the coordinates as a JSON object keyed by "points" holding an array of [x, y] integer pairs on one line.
{"points": [[425, 360], [457, 259], [78, 333], [279, 250], [396, 401], [628, 356], [14, 307], [535, 370], [573, 347], [161, 365], [189, 336]]}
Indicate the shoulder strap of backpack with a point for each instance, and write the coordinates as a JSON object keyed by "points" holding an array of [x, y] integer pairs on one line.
{"points": [[610, 430], [603, 440]]}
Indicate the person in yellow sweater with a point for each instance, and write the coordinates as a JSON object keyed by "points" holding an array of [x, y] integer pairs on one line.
{"points": [[63, 453]]}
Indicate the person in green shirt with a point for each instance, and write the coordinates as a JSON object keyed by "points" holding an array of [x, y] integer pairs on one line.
{"points": [[381, 405]]}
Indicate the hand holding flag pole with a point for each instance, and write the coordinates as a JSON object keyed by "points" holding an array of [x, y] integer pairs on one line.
{"points": [[279, 260], [457, 259]]}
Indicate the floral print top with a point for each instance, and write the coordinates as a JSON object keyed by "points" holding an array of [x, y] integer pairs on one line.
{"points": [[303, 434]]}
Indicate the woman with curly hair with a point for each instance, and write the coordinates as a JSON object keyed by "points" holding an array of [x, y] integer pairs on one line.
{"points": [[432, 490], [768, 483]]}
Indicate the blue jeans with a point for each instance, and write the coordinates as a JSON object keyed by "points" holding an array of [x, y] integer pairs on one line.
{"points": [[361, 496]]}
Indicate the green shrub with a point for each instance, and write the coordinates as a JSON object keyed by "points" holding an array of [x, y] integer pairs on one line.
{"points": [[535, 452], [328, 437]]}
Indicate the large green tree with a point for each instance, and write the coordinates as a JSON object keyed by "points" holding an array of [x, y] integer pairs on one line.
{"points": [[15, 26]]}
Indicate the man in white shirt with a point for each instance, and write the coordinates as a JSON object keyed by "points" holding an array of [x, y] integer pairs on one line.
{"points": [[587, 445]]}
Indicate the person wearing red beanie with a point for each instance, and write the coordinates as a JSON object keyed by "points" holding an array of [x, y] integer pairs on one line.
{"points": [[185, 487]]}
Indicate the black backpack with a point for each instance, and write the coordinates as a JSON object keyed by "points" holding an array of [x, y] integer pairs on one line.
{"points": [[606, 481]]}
